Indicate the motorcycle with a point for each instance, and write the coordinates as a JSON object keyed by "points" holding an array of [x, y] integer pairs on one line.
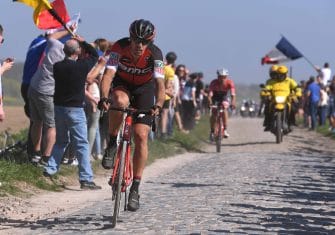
{"points": [[280, 108], [252, 109], [244, 109], [248, 109]]}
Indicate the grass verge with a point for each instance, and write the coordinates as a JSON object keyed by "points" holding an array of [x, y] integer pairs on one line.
{"points": [[20, 178]]}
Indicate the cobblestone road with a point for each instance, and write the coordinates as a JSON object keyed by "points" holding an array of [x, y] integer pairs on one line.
{"points": [[253, 187]]}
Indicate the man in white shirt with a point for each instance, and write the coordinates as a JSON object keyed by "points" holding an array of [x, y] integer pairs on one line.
{"points": [[325, 73]]}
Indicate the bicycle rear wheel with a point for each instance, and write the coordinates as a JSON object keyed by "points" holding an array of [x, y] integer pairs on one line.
{"points": [[119, 179]]}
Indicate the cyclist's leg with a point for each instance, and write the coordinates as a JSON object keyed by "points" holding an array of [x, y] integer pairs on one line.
{"points": [[120, 98], [143, 100], [141, 132], [225, 117]]}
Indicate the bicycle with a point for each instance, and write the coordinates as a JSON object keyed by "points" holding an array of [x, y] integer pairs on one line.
{"points": [[218, 126], [122, 174], [10, 149]]}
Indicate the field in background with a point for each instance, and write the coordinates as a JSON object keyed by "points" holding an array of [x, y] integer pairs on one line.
{"points": [[15, 119]]}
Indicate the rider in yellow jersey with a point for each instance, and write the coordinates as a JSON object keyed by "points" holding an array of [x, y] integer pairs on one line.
{"points": [[286, 85], [265, 96]]}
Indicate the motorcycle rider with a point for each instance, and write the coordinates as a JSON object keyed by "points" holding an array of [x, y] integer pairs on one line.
{"points": [[286, 85], [265, 96]]}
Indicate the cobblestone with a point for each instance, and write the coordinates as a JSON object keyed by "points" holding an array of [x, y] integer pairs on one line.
{"points": [[261, 188]]}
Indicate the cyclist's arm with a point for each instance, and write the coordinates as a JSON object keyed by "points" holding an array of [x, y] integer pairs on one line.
{"points": [[110, 71], [233, 94], [210, 95], [106, 82]]}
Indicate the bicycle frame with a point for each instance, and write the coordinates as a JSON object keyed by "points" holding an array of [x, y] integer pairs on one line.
{"points": [[218, 117], [125, 142], [122, 174], [218, 125]]}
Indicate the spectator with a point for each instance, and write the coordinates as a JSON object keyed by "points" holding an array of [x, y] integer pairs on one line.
{"points": [[325, 73], [332, 106], [6, 65], [181, 75], [313, 93], [40, 94], [189, 102], [70, 77], [199, 95], [92, 112], [323, 104], [205, 101], [169, 74], [34, 55]]}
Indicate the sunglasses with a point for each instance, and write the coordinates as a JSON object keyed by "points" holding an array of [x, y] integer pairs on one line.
{"points": [[140, 40], [2, 40]]}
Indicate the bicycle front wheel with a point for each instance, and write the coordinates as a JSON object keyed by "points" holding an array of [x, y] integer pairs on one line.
{"points": [[219, 135], [119, 179]]}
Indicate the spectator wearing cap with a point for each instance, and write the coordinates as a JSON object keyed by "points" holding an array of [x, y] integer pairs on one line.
{"points": [[189, 102]]}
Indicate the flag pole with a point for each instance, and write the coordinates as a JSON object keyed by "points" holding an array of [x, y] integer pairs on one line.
{"points": [[310, 63], [59, 19]]}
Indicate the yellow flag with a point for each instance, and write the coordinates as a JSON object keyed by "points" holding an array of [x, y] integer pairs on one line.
{"points": [[38, 6]]}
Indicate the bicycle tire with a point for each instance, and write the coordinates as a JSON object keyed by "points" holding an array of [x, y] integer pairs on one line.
{"points": [[119, 184], [219, 135], [279, 133]]}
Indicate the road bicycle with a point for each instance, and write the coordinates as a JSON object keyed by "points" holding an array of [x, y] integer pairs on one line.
{"points": [[218, 109], [12, 150], [122, 174]]}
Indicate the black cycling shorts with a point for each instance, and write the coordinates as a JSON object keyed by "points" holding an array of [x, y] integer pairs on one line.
{"points": [[141, 97]]}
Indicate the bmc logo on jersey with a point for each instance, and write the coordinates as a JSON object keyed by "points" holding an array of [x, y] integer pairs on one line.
{"points": [[133, 70]]}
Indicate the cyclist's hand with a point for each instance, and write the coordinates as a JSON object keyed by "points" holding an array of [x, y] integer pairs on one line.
{"points": [[103, 104], [156, 110]]}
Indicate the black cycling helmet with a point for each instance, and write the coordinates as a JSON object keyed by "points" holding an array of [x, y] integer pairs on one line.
{"points": [[171, 57], [142, 29]]}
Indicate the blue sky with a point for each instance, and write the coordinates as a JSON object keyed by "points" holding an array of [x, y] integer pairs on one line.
{"points": [[205, 35]]}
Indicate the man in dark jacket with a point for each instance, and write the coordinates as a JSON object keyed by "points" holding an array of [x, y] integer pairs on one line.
{"points": [[70, 78]]}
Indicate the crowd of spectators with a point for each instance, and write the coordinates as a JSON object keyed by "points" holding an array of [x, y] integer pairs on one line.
{"points": [[317, 104]]}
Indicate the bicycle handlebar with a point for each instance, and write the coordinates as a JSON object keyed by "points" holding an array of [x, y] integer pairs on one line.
{"points": [[131, 110]]}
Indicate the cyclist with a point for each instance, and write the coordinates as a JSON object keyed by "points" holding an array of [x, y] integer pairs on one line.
{"points": [[219, 91], [284, 83], [135, 71]]}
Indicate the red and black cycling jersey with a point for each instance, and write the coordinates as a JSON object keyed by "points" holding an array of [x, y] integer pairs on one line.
{"points": [[149, 65]]}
